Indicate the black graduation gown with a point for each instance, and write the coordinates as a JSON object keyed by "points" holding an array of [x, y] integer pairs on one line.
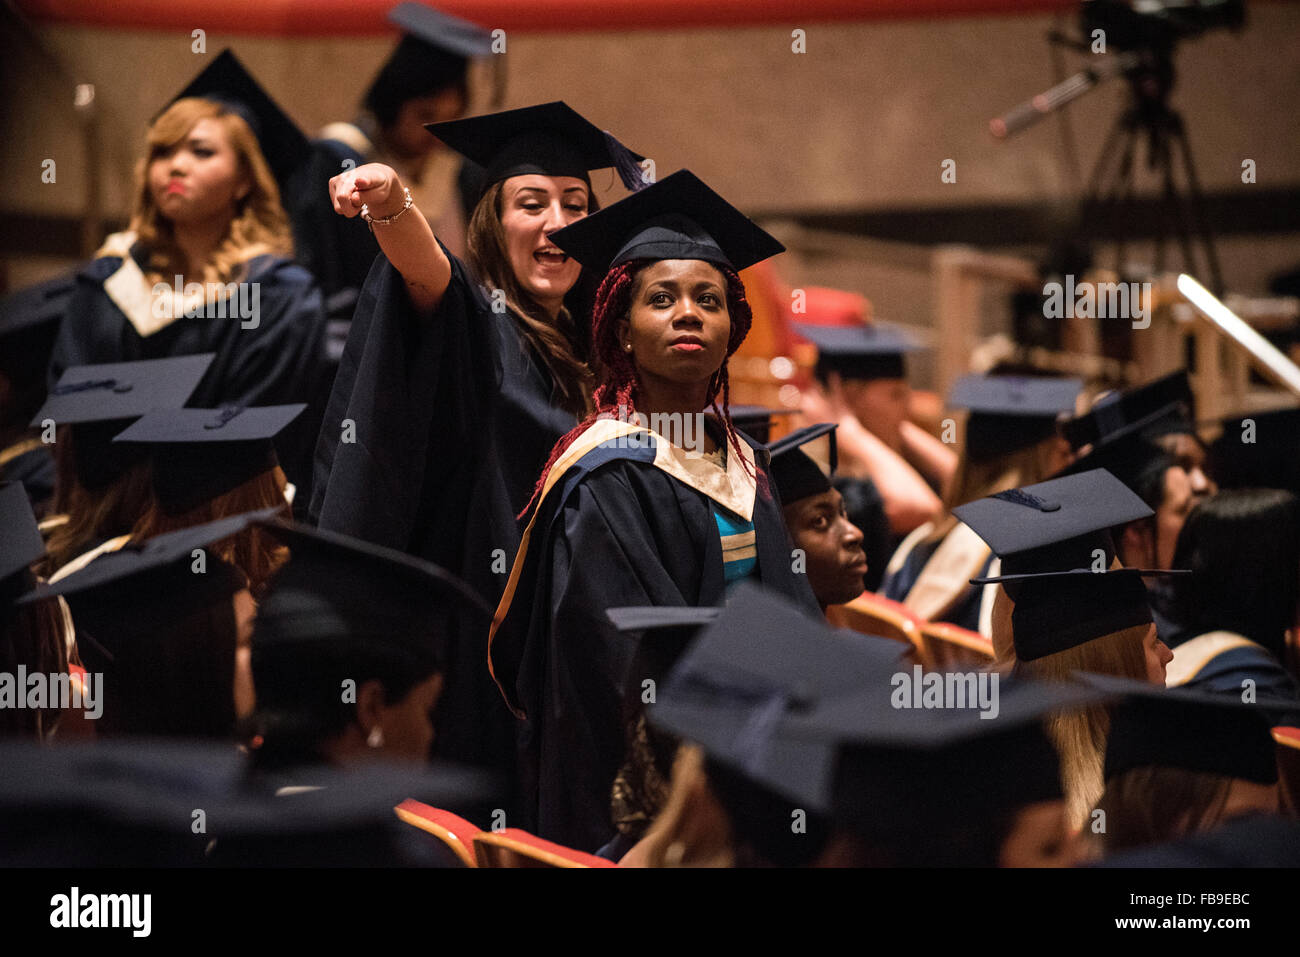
{"points": [[615, 531], [452, 421], [278, 361]]}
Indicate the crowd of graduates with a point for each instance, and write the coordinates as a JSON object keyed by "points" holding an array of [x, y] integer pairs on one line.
{"points": [[375, 492]]}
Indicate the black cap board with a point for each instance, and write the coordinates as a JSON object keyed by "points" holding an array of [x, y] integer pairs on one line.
{"points": [[679, 217], [750, 677], [1258, 450], [199, 454], [1008, 413], [1188, 729], [756, 420], [550, 139], [876, 350], [440, 32], [336, 588], [798, 469], [98, 401], [1162, 406], [1056, 525], [21, 543], [226, 81]]}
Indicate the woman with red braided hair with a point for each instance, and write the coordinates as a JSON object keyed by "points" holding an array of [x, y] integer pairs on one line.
{"points": [[653, 500]]}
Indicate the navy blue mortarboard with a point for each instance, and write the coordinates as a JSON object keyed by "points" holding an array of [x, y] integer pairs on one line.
{"points": [[1008, 413], [1160, 407], [1191, 730], [753, 675], [336, 589], [98, 401], [679, 217], [904, 768], [21, 543], [199, 454], [799, 469], [1129, 455], [1054, 541], [226, 81], [1057, 525], [440, 32], [756, 420], [29, 324], [663, 633], [873, 351], [551, 139]]}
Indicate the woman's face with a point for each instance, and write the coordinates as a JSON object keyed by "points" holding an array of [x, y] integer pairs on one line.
{"points": [[198, 181], [678, 324], [532, 207], [1158, 656], [407, 725], [1037, 837], [245, 612]]}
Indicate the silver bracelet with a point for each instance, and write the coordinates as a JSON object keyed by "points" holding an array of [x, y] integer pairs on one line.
{"points": [[385, 220]]}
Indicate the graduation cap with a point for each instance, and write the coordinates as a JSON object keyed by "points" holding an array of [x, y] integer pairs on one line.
{"points": [[21, 543], [756, 420], [1191, 730], [336, 588], [29, 324], [1008, 413], [1056, 525], [199, 454], [551, 139], [1054, 541], [873, 351], [226, 81], [797, 473], [1130, 455], [741, 688], [663, 631], [98, 401], [679, 217], [1161, 407], [903, 770], [132, 803]]}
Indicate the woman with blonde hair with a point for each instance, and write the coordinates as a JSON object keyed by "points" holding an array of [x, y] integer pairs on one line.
{"points": [[1010, 441], [204, 266]]}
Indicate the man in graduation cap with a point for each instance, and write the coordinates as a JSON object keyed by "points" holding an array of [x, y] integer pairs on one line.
{"points": [[205, 265], [820, 529]]}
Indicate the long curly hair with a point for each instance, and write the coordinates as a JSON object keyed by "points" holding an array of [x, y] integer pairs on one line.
{"points": [[619, 384], [259, 225]]}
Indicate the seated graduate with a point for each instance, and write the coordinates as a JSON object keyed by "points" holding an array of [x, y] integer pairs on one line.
{"points": [[102, 489], [660, 635], [862, 372], [951, 787], [31, 634], [1228, 620], [752, 786], [820, 529], [628, 515], [1164, 413], [459, 378], [163, 622], [348, 651], [1180, 762], [209, 464], [423, 81], [1010, 441], [28, 324], [204, 266], [1258, 450], [1067, 606]]}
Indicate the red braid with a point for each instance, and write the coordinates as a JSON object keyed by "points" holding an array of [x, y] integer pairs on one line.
{"points": [[616, 393]]}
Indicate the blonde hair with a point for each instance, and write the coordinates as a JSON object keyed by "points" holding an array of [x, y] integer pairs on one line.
{"points": [[1080, 736], [259, 224], [554, 339], [693, 829]]}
